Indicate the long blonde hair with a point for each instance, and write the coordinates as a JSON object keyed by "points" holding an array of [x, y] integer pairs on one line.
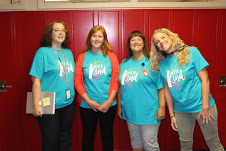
{"points": [[158, 55]]}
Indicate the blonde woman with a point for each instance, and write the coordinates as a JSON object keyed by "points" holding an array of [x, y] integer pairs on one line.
{"points": [[187, 89]]}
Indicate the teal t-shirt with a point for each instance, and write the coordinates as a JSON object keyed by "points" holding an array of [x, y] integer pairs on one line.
{"points": [[97, 77], [47, 67], [139, 93], [184, 83]]}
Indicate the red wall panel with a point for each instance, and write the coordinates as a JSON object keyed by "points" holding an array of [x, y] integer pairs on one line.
{"points": [[61, 16], [220, 92], [183, 25], [10, 132], [28, 28], [82, 23], [206, 41]]}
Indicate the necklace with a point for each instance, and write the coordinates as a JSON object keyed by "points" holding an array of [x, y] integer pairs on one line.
{"points": [[178, 49]]}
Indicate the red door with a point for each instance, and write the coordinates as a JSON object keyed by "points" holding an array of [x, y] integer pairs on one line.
{"points": [[220, 93], [10, 137], [28, 27]]}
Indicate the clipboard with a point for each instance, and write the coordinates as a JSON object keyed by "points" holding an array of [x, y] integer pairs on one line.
{"points": [[46, 102]]}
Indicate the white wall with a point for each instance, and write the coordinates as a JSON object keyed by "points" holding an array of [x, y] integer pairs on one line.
{"points": [[4, 2], [38, 5]]}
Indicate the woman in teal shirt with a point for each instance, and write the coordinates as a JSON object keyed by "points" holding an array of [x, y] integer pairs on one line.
{"points": [[96, 81], [141, 96], [187, 89], [52, 70]]}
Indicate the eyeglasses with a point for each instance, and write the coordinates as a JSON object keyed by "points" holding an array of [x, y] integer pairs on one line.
{"points": [[58, 30]]}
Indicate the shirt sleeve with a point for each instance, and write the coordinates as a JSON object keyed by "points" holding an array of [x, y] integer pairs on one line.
{"points": [[121, 67], [37, 68], [198, 60], [78, 77], [159, 82], [115, 72]]}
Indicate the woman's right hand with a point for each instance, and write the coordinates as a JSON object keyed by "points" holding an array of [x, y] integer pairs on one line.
{"points": [[119, 110], [94, 105], [37, 111], [36, 91], [174, 124]]}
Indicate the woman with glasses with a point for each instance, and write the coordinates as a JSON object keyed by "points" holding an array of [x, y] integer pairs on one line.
{"points": [[141, 95], [96, 80], [53, 71]]}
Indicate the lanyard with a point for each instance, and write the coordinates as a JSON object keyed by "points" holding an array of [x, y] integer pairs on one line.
{"points": [[64, 67]]}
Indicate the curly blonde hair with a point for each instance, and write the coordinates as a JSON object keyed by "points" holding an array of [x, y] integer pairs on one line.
{"points": [[105, 46], [157, 55]]}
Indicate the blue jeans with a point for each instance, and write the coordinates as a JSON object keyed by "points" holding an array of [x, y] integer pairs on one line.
{"points": [[89, 122], [56, 129], [186, 124]]}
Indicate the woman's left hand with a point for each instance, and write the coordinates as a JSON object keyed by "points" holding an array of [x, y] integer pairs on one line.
{"points": [[206, 115], [105, 106], [160, 114]]}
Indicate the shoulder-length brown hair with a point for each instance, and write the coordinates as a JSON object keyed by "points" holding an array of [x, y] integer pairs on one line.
{"points": [[46, 39], [145, 48], [105, 46]]}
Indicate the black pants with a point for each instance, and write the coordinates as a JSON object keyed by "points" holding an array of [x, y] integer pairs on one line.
{"points": [[89, 122], [56, 129]]}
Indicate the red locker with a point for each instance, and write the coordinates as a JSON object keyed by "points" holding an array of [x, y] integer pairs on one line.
{"points": [[220, 93], [10, 117], [184, 25], [83, 21], [207, 39], [29, 27]]}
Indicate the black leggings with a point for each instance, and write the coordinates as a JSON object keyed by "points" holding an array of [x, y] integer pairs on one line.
{"points": [[56, 129], [89, 122]]}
